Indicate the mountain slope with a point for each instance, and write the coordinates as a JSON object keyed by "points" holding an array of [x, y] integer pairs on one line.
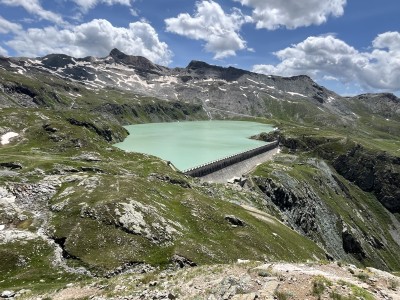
{"points": [[91, 209], [296, 98]]}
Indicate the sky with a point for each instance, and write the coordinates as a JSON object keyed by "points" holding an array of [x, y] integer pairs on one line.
{"points": [[348, 46]]}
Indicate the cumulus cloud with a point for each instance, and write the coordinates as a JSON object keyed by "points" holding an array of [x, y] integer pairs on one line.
{"points": [[273, 14], [94, 38], [34, 7], [389, 40], [329, 57], [85, 5], [7, 26], [211, 24]]}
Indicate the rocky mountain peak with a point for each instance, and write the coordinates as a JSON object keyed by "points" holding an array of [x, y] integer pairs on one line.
{"points": [[56, 61], [196, 64], [392, 97], [138, 62], [115, 53], [206, 70], [386, 96]]}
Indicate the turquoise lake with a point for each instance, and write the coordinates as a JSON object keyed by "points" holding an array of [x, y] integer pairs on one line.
{"points": [[189, 144]]}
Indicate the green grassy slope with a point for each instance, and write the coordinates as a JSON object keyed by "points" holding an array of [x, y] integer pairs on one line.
{"points": [[65, 187], [107, 208]]}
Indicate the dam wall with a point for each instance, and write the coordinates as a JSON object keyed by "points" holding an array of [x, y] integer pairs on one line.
{"points": [[219, 164]]}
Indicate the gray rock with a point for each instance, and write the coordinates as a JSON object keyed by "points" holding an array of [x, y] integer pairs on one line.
{"points": [[153, 283], [7, 294], [182, 262], [352, 245], [11, 165], [235, 221], [88, 157]]}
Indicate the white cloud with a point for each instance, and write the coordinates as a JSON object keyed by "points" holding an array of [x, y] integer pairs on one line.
{"points": [[34, 7], [272, 14], [389, 40], [7, 26], [134, 12], [3, 52], [95, 38], [85, 5], [329, 57], [220, 31]]}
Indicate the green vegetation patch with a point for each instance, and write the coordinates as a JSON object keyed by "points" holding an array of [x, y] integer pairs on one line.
{"points": [[125, 219], [31, 264]]}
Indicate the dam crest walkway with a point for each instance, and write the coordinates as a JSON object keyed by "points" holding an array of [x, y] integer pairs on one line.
{"points": [[247, 159]]}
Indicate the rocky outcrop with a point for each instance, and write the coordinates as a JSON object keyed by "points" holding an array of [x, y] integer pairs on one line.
{"points": [[127, 114], [316, 202], [108, 134], [304, 211], [138, 62], [202, 70], [267, 136], [372, 172], [22, 95], [11, 165], [352, 245], [182, 262], [55, 61], [234, 221]]}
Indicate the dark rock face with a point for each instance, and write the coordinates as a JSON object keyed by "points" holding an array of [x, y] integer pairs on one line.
{"points": [[296, 204], [306, 204], [304, 211], [79, 73], [204, 70], [235, 221], [373, 172], [182, 262], [23, 95], [65, 254], [55, 61], [138, 62], [50, 128], [376, 172], [352, 245], [106, 133], [11, 165]]}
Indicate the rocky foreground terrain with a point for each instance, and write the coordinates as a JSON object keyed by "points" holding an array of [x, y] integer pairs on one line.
{"points": [[242, 280], [81, 218]]}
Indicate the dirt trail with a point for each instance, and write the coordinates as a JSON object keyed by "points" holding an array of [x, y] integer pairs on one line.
{"points": [[259, 214]]}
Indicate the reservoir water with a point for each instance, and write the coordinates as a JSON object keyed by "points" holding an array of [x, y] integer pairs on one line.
{"points": [[189, 144]]}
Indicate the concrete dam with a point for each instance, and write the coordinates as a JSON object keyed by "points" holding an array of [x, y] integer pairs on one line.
{"points": [[214, 166]]}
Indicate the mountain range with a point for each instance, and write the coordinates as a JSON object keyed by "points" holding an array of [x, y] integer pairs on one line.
{"points": [[207, 85], [75, 209]]}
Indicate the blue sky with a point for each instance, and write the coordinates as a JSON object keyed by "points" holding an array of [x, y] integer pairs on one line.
{"points": [[348, 46]]}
